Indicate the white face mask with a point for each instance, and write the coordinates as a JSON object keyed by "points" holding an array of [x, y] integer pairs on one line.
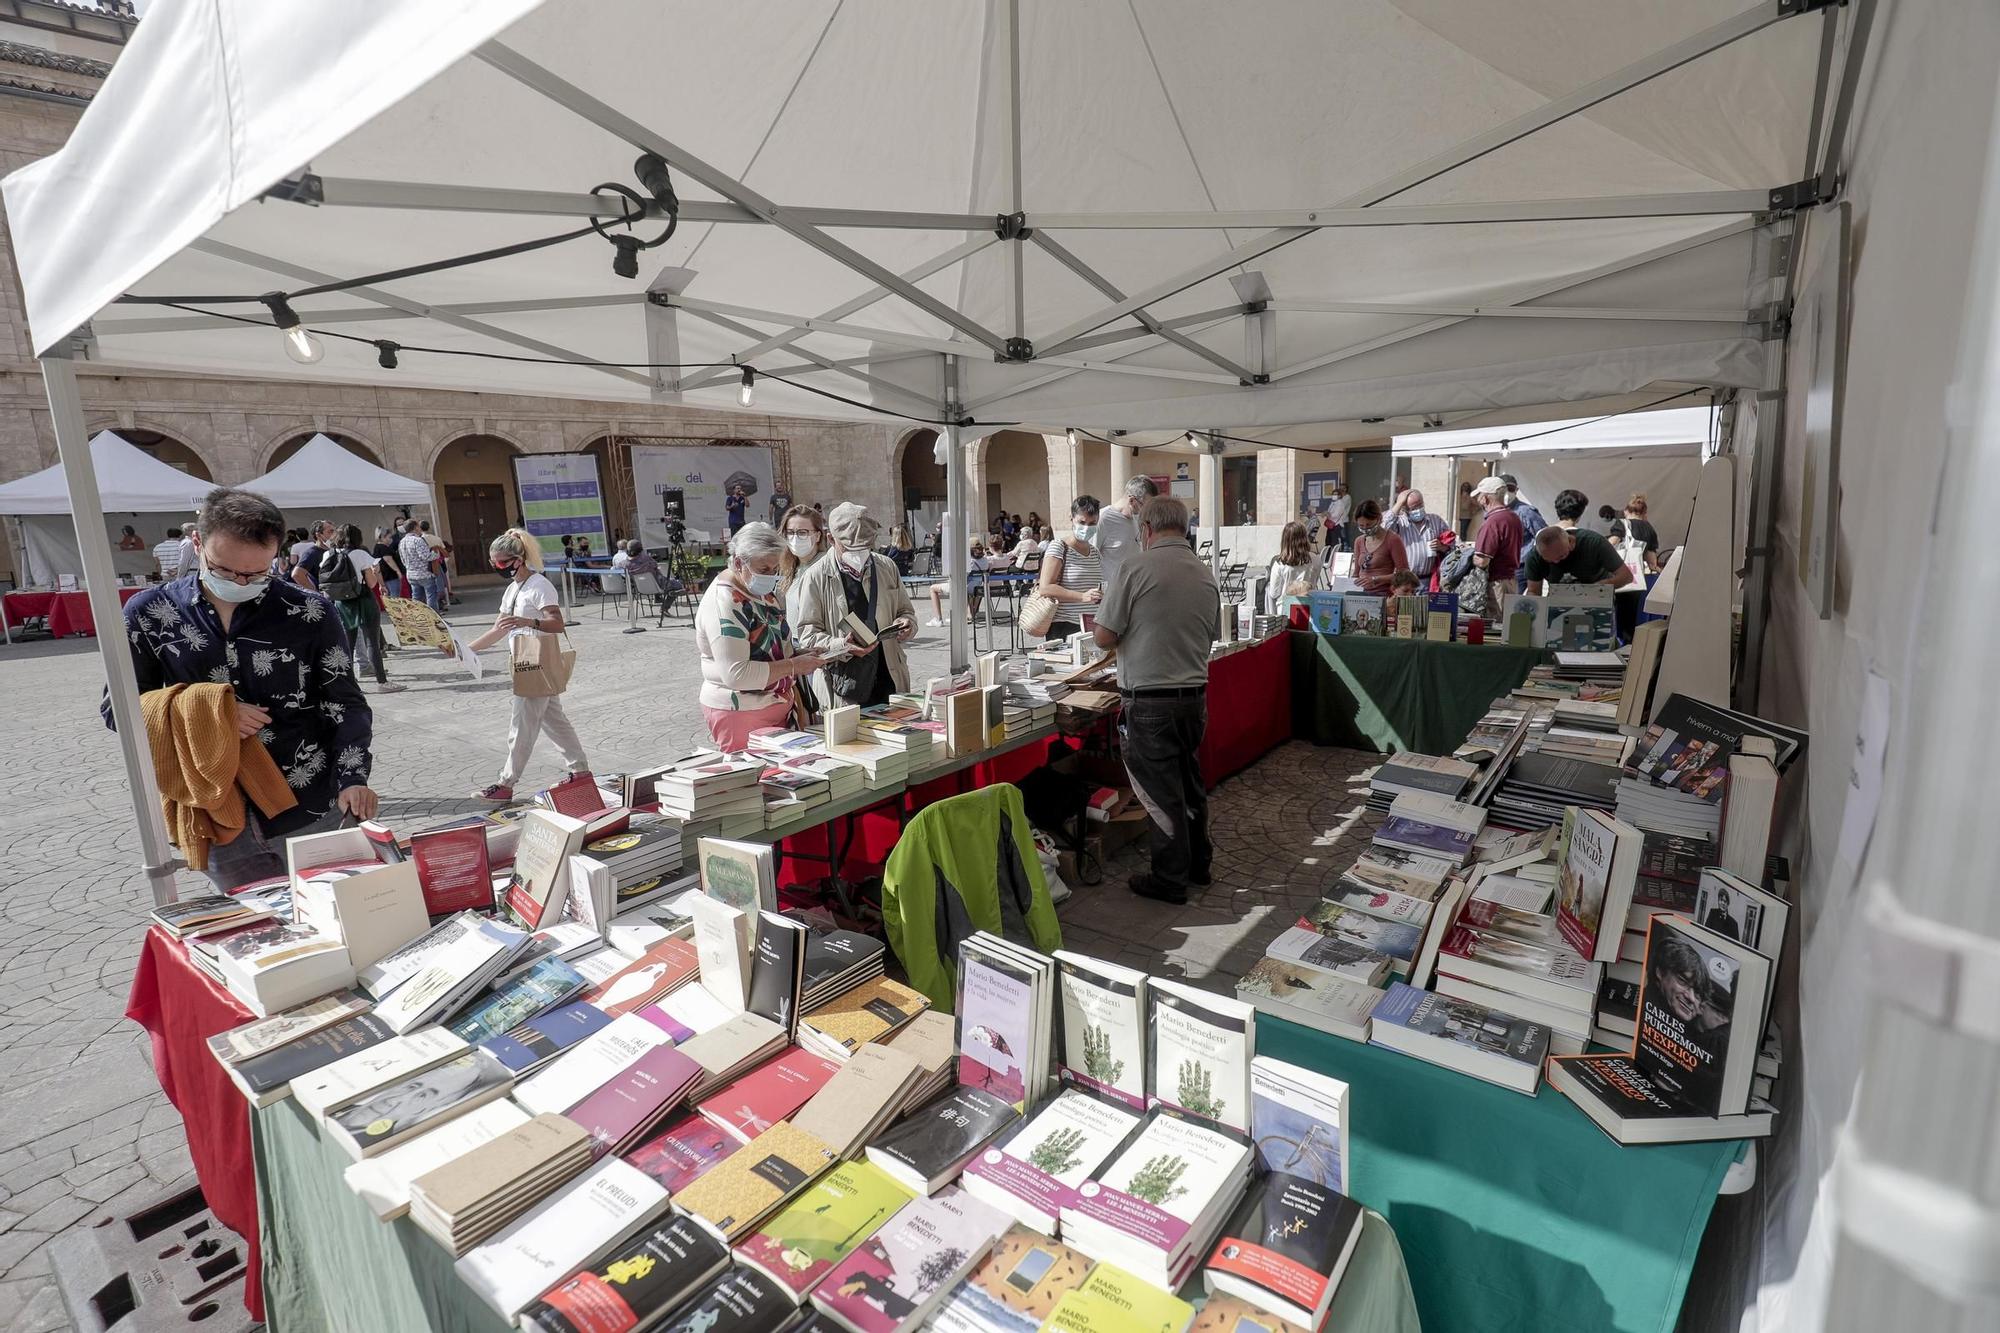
{"points": [[229, 590], [1086, 531], [760, 585], [855, 558], [802, 544]]}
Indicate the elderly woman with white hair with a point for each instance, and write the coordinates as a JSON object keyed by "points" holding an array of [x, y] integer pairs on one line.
{"points": [[748, 663], [529, 605], [855, 580]]}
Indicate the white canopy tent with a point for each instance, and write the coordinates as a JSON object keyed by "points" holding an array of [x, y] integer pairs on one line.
{"points": [[977, 213], [1657, 454], [143, 492], [323, 480]]}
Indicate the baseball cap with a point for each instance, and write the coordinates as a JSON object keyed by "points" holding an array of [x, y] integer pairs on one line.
{"points": [[1489, 486]]}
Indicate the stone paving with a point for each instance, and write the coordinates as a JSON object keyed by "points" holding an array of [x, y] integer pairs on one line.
{"points": [[84, 1130]]}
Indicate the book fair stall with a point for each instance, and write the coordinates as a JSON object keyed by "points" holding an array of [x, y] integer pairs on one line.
{"points": [[789, 1037]]}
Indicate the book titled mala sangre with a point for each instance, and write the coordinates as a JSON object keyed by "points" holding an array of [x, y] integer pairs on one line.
{"points": [[1103, 1027], [1200, 1053], [1599, 862]]}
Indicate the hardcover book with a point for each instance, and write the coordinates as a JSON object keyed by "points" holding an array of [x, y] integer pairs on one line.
{"points": [[741, 874], [929, 1148], [1701, 1017], [541, 867], [1286, 1247], [734, 1195], [1035, 1173], [900, 1274], [635, 1284], [1199, 1053], [529, 1044], [686, 1149], [803, 1241], [1015, 1288], [1104, 1027]]}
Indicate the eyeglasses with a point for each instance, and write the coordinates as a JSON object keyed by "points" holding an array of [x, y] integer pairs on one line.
{"points": [[236, 576]]}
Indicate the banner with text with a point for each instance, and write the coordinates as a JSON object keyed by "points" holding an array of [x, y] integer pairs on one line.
{"points": [[560, 495], [699, 479]]}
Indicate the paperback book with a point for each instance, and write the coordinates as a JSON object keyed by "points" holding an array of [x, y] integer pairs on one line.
{"points": [[1456, 1034], [1156, 1208], [995, 1024], [771, 1092], [1701, 1017], [683, 1151], [1199, 1053], [1396, 939], [735, 1194], [546, 984], [528, 1045], [266, 1077], [1286, 1247], [634, 1284], [802, 1242], [1299, 1120], [896, 1278], [1104, 1027], [1112, 1300], [1309, 996], [633, 1102], [928, 1149], [1599, 860], [1036, 1171], [1015, 1289], [577, 1225], [389, 1115]]}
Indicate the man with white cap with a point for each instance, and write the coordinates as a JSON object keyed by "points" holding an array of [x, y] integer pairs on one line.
{"points": [[853, 579], [1497, 548]]}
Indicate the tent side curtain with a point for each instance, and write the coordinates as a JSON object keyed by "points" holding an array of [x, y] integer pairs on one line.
{"points": [[1630, 431]]}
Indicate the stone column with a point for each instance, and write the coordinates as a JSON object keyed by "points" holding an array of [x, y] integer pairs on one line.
{"points": [[976, 517], [1277, 485], [1064, 477], [1121, 473]]}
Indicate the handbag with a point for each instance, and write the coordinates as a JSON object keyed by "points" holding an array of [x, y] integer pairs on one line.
{"points": [[542, 664], [1038, 612]]}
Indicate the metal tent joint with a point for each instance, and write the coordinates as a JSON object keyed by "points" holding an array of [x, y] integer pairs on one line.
{"points": [[1808, 193], [1773, 322], [305, 188], [1012, 227], [1792, 8], [1017, 349]]}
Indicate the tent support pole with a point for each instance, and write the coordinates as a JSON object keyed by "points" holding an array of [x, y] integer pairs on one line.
{"points": [[1210, 475], [954, 543], [101, 586]]}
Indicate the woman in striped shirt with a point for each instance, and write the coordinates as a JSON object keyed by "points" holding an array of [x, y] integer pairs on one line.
{"points": [[1071, 573]]}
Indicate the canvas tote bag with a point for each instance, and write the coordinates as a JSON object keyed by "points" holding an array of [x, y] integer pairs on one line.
{"points": [[542, 664]]}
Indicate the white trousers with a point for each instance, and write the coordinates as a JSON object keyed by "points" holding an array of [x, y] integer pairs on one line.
{"points": [[532, 717]]}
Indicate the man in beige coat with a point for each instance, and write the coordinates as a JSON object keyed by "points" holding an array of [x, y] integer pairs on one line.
{"points": [[852, 578]]}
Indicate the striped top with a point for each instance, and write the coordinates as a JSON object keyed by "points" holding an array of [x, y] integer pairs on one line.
{"points": [[1081, 571]]}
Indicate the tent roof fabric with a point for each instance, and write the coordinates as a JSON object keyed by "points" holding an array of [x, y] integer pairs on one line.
{"points": [[1633, 430], [130, 481], [323, 473], [844, 166]]}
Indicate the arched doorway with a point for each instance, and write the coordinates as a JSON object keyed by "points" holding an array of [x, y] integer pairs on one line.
{"points": [[297, 442], [169, 451], [473, 476], [920, 475], [614, 480]]}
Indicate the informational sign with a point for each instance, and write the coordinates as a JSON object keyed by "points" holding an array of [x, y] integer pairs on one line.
{"points": [[560, 495], [1318, 491], [699, 479]]}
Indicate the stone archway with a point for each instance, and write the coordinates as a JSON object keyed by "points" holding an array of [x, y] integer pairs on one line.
{"points": [[472, 476], [919, 476], [174, 452]]}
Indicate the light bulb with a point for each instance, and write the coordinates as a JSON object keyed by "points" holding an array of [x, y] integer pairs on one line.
{"points": [[747, 394], [302, 347]]}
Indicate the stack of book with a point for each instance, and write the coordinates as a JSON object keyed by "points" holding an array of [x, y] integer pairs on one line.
{"points": [[775, 1090], [1584, 730], [926, 1150], [1537, 787], [1605, 669], [871, 1011], [1472, 1038], [1491, 746], [637, 1283], [271, 965], [843, 780], [836, 962], [1068, 1140], [211, 914], [1435, 775], [468, 1199], [883, 766], [730, 1198], [800, 1244], [1309, 996], [714, 795], [899, 725], [906, 1270], [873, 1089], [928, 1039], [1504, 954], [1005, 1005], [791, 796], [1156, 1208], [389, 1115], [1431, 826], [642, 859], [577, 1226]]}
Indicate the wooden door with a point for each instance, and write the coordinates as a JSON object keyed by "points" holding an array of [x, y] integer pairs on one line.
{"points": [[475, 515]]}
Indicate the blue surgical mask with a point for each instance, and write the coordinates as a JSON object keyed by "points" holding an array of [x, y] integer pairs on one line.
{"points": [[1086, 532], [229, 590], [762, 585]]}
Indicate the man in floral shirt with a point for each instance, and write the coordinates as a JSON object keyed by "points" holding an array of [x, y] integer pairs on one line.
{"points": [[228, 621]]}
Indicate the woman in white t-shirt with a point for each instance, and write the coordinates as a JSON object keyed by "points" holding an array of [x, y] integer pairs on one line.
{"points": [[1295, 572], [529, 605]]}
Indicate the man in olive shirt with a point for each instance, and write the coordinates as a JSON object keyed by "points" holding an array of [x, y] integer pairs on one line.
{"points": [[1162, 616], [1573, 555]]}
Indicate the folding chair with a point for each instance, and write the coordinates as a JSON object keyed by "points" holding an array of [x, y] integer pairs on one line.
{"points": [[613, 585], [1232, 581]]}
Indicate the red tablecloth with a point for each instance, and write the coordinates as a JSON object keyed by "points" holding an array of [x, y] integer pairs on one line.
{"points": [[67, 612], [1249, 708], [181, 1007]]}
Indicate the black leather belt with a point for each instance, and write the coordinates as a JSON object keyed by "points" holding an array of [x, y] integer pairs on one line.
{"points": [[1167, 692]]}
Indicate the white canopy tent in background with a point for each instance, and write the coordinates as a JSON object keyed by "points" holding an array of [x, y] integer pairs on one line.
{"points": [[141, 491], [322, 480], [1656, 453]]}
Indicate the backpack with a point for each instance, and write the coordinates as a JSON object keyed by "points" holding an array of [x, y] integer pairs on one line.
{"points": [[1459, 572], [337, 579]]}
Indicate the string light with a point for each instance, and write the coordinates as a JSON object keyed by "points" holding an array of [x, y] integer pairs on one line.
{"points": [[746, 395], [299, 343]]}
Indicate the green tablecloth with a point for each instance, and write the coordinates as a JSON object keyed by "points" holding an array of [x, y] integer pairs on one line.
{"points": [[1366, 692], [330, 1265], [1517, 1214]]}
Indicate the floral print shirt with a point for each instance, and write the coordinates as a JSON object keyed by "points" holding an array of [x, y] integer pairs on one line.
{"points": [[286, 653]]}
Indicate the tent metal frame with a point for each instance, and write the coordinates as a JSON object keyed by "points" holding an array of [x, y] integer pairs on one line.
{"points": [[1059, 348]]}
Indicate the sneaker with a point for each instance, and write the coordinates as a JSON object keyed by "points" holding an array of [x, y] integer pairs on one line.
{"points": [[934, 624], [1151, 886], [388, 687], [499, 791]]}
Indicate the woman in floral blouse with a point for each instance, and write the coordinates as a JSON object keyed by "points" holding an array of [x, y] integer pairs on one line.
{"points": [[747, 662]]}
